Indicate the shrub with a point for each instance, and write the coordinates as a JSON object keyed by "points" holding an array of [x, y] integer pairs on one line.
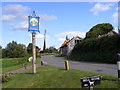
{"points": [[98, 50]]}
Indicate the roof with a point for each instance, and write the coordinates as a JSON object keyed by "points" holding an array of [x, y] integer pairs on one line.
{"points": [[68, 40], [65, 42]]}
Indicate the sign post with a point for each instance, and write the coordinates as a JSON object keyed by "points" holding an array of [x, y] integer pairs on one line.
{"points": [[33, 28], [34, 52]]}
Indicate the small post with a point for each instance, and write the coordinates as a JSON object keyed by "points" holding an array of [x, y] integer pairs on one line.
{"points": [[118, 64], [34, 53], [91, 88], [67, 65], [41, 63]]}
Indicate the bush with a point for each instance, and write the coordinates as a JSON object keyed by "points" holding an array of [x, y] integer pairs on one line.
{"points": [[5, 78], [99, 50]]}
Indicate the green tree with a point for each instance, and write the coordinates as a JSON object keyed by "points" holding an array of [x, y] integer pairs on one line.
{"points": [[51, 49], [15, 50], [0, 47], [99, 29], [29, 49]]}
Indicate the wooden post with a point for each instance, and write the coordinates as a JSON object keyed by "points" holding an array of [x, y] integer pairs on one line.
{"points": [[34, 53]]}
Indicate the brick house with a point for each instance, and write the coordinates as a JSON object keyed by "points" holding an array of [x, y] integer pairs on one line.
{"points": [[68, 45]]}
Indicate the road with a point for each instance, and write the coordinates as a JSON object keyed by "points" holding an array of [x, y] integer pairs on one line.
{"points": [[110, 69]]}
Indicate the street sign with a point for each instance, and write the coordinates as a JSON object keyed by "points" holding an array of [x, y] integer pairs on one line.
{"points": [[33, 23], [91, 81]]}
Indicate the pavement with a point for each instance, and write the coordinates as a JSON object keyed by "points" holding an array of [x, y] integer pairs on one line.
{"points": [[110, 69]]}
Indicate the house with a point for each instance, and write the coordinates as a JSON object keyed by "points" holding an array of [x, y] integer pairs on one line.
{"points": [[69, 44], [111, 33]]}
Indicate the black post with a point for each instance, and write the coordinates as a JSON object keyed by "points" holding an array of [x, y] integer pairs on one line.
{"points": [[118, 64], [44, 47]]}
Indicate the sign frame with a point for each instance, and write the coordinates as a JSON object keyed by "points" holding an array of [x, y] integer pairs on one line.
{"points": [[86, 82], [33, 23]]}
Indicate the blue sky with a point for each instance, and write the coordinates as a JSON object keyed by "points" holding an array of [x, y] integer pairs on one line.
{"points": [[58, 18]]}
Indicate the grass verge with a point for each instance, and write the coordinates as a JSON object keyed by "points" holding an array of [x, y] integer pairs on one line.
{"points": [[52, 77], [9, 64]]}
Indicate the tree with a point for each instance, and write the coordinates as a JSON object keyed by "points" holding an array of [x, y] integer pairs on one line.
{"points": [[15, 50], [29, 49], [0, 47], [99, 29], [51, 49]]}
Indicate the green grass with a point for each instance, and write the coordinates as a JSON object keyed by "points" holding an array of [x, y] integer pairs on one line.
{"points": [[52, 77], [8, 64]]}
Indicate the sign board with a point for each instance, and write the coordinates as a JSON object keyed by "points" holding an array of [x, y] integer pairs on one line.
{"points": [[33, 23], [91, 81]]}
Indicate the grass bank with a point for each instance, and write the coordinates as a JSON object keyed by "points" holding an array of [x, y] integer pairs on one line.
{"points": [[8, 64], [52, 77]]}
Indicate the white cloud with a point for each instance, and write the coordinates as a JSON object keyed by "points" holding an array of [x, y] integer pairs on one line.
{"points": [[1, 41], [17, 15], [61, 39], [14, 17], [39, 36], [47, 17], [14, 12], [100, 8], [72, 33], [115, 17], [14, 9], [20, 26], [116, 30], [8, 18]]}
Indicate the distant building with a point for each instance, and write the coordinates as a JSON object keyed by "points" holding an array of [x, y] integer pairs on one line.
{"points": [[111, 33], [68, 45]]}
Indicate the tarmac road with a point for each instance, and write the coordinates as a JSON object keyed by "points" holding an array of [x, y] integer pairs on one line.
{"points": [[110, 69]]}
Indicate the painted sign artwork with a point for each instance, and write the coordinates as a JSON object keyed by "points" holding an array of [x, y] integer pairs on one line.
{"points": [[33, 23]]}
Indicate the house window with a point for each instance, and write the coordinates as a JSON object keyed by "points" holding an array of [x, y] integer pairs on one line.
{"points": [[77, 41]]}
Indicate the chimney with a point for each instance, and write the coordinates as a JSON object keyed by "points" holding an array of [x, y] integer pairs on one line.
{"points": [[66, 37]]}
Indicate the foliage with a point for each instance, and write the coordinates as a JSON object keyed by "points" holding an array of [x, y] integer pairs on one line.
{"points": [[14, 50], [51, 49], [29, 49], [99, 29], [5, 78], [0, 47], [98, 50], [0, 53], [52, 77]]}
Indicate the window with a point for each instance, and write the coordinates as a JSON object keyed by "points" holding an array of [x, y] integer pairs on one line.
{"points": [[77, 41]]}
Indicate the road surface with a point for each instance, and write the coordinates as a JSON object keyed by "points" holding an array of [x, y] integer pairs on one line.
{"points": [[110, 69]]}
